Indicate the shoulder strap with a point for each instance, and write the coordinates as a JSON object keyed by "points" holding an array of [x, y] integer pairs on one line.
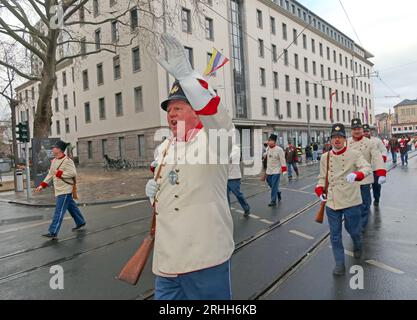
{"points": [[327, 172], [158, 174]]}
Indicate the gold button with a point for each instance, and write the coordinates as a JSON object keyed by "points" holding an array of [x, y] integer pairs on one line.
{"points": [[176, 196], [177, 182], [176, 209], [177, 170]]}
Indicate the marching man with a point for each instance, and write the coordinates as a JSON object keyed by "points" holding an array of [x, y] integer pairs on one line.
{"points": [[194, 227], [376, 187], [63, 173], [373, 156], [275, 165], [347, 167]]}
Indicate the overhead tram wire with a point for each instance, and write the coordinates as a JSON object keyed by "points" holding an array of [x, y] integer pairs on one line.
{"points": [[283, 52], [350, 22]]}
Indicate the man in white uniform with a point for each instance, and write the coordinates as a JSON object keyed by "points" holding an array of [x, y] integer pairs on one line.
{"points": [[194, 228]]}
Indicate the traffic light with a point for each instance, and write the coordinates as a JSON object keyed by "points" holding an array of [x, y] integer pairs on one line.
{"points": [[23, 132]]}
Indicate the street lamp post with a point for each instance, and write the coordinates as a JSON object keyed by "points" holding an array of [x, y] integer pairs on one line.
{"points": [[308, 122]]}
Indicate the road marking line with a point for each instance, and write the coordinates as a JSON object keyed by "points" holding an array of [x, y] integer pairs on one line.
{"points": [[295, 190], [254, 216], [128, 204], [309, 186], [240, 211], [266, 221], [384, 266], [29, 226], [302, 235]]}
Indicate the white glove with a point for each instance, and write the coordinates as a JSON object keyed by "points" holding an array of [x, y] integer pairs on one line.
{"points": [[323, 198], [351, 177], [382, 180], [177, 63], [151, 188]]}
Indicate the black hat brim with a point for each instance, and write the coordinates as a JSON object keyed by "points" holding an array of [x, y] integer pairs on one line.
{"points": [[338, 134], [164, 104]]}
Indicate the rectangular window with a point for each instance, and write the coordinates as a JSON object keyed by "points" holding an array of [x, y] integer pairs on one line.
{"points": [[100, 76], [58, 128], [324, 114], [186, 20], [119, 104], [277, 108], [74, 99], [316, 112], [314, 68], [296, 64], [261, 48], [121, 147], [138, 99], [288, 109], [316, 94], [85, 80], [190, 55], [117, 68], [83, 46], [276, 80], [299, 111], [286, 57], [67, 125], [287, 83], [103, 147], [304, 41], [306, 65], [262, 77], [274, 53], [102, 108], [295, 36], [297, 86], [134, 18], [307, 84], [87, 112], [97, 39], [264, 107], [65, 102], [313, 45], [96, 8], [64, 82], [284, 31], [141, 145], [90, 149], [209, 29], [273, 26], [259, 22], [322, 71], [321, 49], [136, 59], [114, 31], [81, 14]]}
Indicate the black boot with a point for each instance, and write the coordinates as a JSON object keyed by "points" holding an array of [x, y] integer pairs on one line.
{"points": [[78, 227]]}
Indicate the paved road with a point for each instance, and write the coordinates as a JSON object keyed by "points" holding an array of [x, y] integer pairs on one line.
{"points": [[269, 243]]}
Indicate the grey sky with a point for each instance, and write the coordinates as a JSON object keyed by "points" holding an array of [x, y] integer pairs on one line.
{"points": [[387, 29]]}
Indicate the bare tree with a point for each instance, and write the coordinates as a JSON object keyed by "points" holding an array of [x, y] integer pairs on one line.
{"points": [[47, 32]]}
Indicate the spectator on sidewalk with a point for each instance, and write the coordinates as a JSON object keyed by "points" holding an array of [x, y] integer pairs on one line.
{"points": [[309, 154], [394, 148], [291, 157], [63, 174], [403, 145], [315, 148]]}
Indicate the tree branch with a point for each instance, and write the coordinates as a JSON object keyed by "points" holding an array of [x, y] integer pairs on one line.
{"points": [[20, 73], [84, 54], [70, 3], [38, 11]]}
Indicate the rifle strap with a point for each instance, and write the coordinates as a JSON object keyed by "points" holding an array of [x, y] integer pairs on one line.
{"points": [[158, 174], [327, 173]]}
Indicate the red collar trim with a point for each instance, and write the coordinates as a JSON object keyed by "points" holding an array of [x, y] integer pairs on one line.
{"points": [[338, 153], [191, 134], [357, 140]]}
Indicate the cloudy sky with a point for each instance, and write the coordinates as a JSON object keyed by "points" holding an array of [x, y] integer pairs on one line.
{"points": [[386, 28]]}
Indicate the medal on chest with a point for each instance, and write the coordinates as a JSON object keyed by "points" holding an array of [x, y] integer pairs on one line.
{"points": [[172, 177]]}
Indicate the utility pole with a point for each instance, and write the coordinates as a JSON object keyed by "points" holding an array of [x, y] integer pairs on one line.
{"points": [[308, 123]]}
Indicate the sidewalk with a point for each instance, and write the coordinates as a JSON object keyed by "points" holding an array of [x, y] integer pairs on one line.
{"points": [[95, 186]]}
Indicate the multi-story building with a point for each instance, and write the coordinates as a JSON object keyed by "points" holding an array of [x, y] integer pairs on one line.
{"points": [[383, 124], [405, 118], [285, 65]]}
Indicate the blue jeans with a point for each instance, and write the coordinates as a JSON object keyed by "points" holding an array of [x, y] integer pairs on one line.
{"points": [[234, 186], [315, 155], [376, 188], [404, 158], [207, 284], [273, 182], [394, 156], [290, 166], [366, 204], [63, 203], [352, 225]]}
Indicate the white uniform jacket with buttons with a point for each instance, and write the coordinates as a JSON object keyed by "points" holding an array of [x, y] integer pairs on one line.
{"points": [[194, 227], [381, 147], [371, 154], [276, 162], [342, 194], [60, 170]]}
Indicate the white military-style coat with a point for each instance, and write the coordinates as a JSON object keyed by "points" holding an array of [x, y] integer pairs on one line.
{"points": [[371, 154], [342, 194], [194, 227]]}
